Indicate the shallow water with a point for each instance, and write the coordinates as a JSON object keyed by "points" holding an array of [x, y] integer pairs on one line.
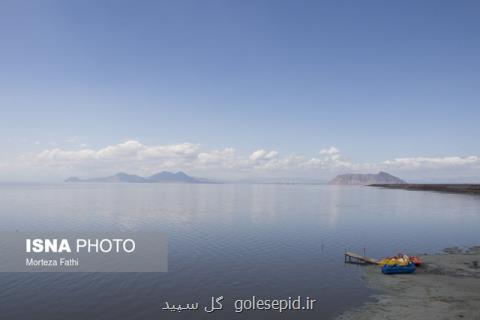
{"points": [[271, 241]]}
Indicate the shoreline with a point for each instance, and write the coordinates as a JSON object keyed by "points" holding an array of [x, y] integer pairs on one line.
{"points": [[449, 188], [446, 286]]}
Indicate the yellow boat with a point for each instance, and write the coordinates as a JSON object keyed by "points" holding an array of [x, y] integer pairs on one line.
{"points": [[394, 261]]}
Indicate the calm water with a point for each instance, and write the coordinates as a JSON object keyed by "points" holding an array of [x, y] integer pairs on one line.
{"points": [[271, 241]]}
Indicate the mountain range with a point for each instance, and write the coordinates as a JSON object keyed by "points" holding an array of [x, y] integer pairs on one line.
{"points": [[161, 177], [366, 179]]}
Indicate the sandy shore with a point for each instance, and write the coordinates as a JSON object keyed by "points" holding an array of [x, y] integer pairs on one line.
{"points": [[446, 287], [449, 188]]}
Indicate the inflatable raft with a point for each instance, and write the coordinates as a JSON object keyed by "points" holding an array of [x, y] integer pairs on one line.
{"points": [[396, 268]]}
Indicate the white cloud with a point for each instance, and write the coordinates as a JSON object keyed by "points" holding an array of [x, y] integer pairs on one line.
{"points": [[262, 159], [135, 157], [225, 158], [263, 154], [433, 162], [58, 156], [330, 151], [169, 151], [129, 150]]}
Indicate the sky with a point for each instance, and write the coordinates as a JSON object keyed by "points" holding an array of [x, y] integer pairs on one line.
{"points": [[240, 89]]}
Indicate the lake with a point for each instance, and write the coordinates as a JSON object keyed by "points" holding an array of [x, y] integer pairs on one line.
{"points": [[231, 240]]}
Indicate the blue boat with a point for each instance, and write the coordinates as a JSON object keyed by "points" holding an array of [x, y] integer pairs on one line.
{"points": [[394, 269]]}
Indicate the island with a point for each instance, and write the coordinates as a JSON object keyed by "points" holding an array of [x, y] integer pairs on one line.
{"points": [[366, 179], [161, 177]]}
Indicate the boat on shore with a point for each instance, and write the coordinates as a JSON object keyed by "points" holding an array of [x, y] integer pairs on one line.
{"points": [[400, 259], [416, 260], [398, 269]]}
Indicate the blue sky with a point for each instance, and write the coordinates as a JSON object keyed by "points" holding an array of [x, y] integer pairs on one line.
{"points": [[378, 80]]}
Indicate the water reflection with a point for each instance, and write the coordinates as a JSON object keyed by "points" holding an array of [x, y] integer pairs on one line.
{"points": [[231, 240]]}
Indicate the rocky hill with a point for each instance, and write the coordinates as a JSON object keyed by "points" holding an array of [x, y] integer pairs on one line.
{"points": [[366, 179], [162, 177]]}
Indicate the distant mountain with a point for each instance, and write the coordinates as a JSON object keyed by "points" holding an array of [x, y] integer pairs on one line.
{"points": [[366, 179], [119, 177], [162, 177], [166, 176]]}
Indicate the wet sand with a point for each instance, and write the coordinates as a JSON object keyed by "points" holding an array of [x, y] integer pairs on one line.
{"points": [[447, 286]]}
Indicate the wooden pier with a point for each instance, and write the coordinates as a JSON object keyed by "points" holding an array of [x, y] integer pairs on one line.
{"points": [[351, 257]]}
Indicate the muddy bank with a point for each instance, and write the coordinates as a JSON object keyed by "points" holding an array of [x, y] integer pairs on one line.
{"points": [[446, 287], [450, 188]]}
